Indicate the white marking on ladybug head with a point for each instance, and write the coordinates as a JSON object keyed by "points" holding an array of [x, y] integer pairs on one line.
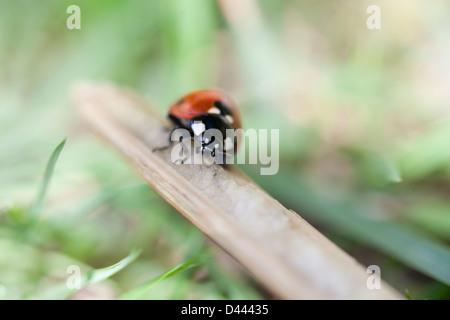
{"points": [[198, 127], [229, 143], [229, 118], [214, 110]]}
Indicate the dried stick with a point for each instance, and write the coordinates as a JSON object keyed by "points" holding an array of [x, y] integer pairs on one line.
{"points": [[282, 251]]}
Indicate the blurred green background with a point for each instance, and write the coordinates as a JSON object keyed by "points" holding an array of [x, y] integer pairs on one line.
{"points": [[364, 126]]}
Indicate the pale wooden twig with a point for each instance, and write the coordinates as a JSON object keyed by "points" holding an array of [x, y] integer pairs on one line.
{"points": [[282, 251]]}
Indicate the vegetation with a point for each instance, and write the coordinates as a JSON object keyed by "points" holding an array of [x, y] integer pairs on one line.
{"points": [[364, 127]]}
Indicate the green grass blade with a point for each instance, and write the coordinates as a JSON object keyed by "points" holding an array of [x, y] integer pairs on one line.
{"points": [[98, 275], [357, 221], [408, 295], [36, 207], [62, 291], [141, 290]]}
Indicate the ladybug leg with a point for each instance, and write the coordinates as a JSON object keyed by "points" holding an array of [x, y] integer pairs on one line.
{"points": [[185, 151], [170, 142], [224, 157], [181, 161], [162, 148], [211, 147]]}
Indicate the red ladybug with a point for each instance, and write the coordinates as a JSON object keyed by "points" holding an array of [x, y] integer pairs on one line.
{"points": [[207, 109]]}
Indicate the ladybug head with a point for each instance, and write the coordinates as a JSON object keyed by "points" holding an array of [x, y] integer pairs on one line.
{"points": [[217, 140]]}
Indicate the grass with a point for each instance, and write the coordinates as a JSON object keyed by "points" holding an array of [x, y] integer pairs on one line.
{"points": [[141, 290], [27, 229], [363, 119], [36, 207]]}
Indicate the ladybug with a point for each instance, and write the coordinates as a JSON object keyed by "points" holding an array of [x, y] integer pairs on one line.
{"points": [[201, 110]]}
